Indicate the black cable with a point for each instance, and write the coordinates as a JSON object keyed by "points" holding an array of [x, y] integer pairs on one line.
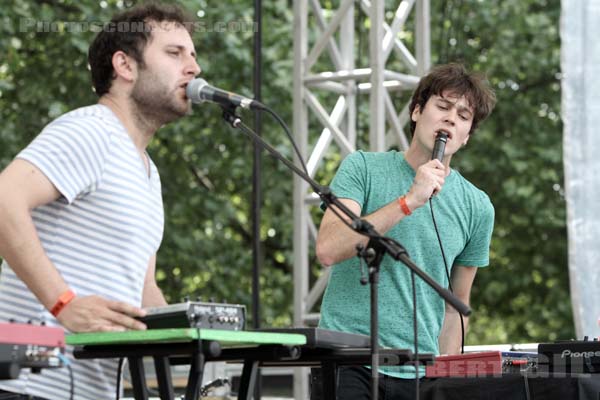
{"points": [[289, 135], [415, 335], [302, 163], [527, 394], [119, 372], [71, 382], [297, 151], [462, 321]]}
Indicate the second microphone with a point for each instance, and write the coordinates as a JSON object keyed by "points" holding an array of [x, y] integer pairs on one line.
{"points": [[199, 91]]}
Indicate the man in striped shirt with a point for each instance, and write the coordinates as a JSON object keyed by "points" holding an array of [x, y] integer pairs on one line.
{"points": [[81, 214]]}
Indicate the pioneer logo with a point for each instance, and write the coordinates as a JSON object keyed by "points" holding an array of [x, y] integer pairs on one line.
{"points": [[579, 354]]}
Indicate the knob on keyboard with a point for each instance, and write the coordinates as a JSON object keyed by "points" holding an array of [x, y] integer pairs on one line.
{"points": [[196, 314]]}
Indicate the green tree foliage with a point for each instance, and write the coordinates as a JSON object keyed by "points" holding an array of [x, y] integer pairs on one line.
{"points": [[516, 157], [206, 165]]}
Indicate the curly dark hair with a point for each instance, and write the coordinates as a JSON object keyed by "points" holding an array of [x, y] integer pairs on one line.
{"points": [[455, 79], [130, 32]]}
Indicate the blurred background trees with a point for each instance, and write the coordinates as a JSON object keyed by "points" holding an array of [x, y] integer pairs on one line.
{"points": [[515, 156]]}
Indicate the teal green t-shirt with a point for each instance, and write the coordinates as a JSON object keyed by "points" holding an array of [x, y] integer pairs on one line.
{"points": [[465, 219]]}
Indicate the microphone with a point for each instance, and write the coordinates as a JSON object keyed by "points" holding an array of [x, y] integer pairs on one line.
{"points": [[439, 146], [199, 91]]}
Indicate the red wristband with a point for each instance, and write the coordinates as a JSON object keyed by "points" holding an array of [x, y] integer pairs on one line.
{"points": [[62, 301], [404, 206]]}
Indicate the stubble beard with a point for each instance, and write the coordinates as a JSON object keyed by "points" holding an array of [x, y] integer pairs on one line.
{"points": [[155, 102]]}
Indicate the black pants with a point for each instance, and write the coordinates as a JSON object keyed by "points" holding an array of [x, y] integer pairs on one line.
{"points": [[16, 396], [354, 383]]}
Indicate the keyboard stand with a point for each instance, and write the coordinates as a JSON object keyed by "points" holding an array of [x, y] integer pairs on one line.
{"points": [[253, 349]]}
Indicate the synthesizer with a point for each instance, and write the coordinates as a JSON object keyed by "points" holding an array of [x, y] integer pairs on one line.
{"points": [[480, 364], [196, 314], [571, 356], [519, 362], [29, 346], [466, 365]]}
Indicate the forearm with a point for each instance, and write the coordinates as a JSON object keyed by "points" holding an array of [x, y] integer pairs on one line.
{"points": [[337, 242], [20, 246], [153, 296], [450, 339]]}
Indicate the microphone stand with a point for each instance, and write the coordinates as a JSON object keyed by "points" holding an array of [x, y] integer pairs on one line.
{"points": [[376, 248]]}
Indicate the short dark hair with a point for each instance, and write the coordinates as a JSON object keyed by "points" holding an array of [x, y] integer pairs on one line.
{"points": [[455, 79], [130, 32]]}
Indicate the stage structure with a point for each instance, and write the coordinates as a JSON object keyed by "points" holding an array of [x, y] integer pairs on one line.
{"points": [[327, 83], [580, 64]]}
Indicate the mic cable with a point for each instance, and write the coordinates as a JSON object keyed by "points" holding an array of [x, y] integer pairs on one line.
{"points": [[438, 154]]}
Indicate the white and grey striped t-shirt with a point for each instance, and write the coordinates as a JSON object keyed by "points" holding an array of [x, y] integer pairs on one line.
{"points": [[100, 235]]}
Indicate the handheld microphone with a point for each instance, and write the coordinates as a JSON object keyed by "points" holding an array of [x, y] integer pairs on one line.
{"points": [[199, 91], [439, 146]]}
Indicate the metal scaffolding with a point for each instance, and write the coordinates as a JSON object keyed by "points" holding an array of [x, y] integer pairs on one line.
{"points": [[333, 43]]}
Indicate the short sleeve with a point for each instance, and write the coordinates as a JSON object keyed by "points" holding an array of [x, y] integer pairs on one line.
{"points": [[71, 153], [477, 250], [350, 180]]}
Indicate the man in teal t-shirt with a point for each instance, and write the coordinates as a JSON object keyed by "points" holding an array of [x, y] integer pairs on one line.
{"points": [[391, 190]]}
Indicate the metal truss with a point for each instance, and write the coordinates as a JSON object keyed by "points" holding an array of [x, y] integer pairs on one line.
{"points": [[326, 69]]}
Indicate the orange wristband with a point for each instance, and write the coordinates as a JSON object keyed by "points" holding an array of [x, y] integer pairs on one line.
{"points": [[404, 206], [62, 301]]}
